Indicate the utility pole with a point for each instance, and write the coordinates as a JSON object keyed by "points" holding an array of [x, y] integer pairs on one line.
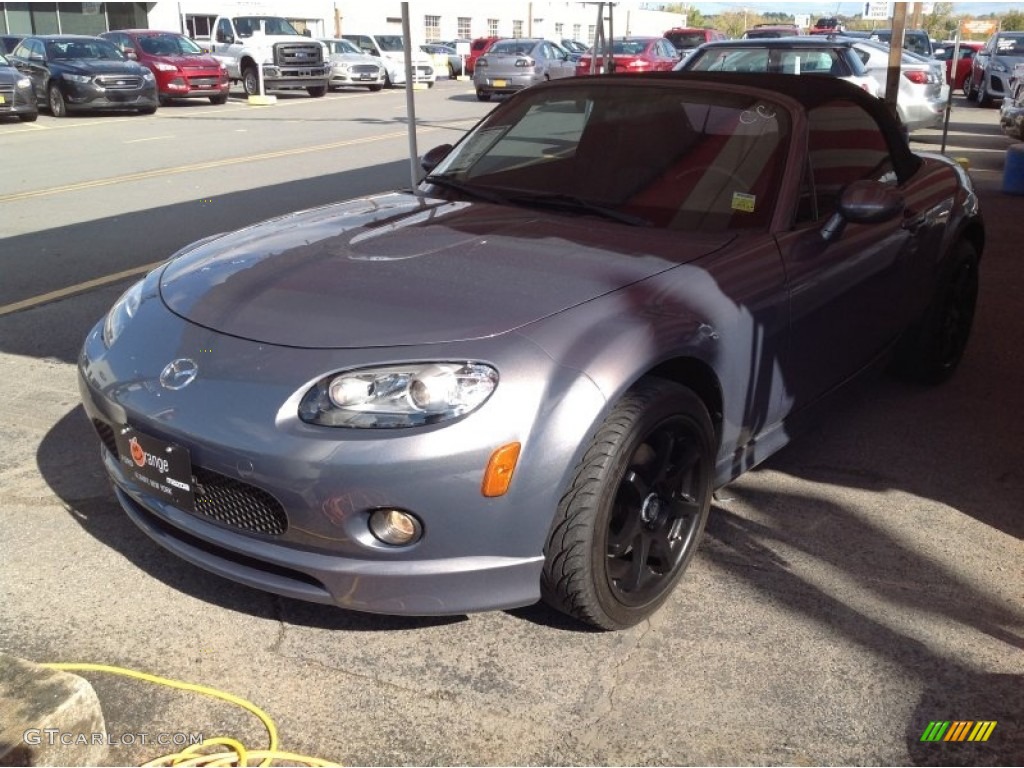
{"points": [[892, 80]]}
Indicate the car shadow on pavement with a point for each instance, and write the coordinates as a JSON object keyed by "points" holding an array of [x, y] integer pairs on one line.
{"points": [[773, 556]]}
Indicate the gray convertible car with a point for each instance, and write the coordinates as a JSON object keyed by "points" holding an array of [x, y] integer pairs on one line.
{"points": [[526, 377]]}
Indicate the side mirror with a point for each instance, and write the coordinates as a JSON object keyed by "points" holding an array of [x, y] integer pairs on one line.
{"points": [[430, 160], [864, 202]]}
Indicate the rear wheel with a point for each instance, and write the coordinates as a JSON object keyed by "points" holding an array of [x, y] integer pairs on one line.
{"points": [[58, 107], [483, 95], [933, 349], [633, 516], [316, 91]]}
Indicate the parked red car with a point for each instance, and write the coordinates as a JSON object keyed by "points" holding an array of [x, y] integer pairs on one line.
{"points": [[478, 48], [633, 54], [968, 50], [182, 69]]}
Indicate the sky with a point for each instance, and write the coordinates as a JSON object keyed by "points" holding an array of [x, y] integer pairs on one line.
{"points": [[844, 8]]}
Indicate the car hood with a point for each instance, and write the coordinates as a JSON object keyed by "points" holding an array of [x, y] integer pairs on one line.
{"points": [[354, 58], [396, 269], [189, 60], [101, 67]]}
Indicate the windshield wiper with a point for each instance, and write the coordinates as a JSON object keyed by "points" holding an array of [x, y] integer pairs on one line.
{"points": [[469, 189], [578, 204]]}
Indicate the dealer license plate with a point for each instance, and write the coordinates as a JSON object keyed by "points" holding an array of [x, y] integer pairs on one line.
{"points": [[164, 468], [3, 100], [500, 83]]}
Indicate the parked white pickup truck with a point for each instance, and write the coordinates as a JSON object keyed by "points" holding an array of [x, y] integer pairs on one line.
{"points": [[288, 58]]}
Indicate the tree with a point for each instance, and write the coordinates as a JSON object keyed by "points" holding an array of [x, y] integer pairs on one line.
{"points": [[1013, 21]]}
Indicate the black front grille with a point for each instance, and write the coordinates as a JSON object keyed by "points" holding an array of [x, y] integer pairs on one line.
{"points": [[237, 504], [204, 80], [221, 498], [298, 54], [5, 88], [106, 433], [119, 82]]}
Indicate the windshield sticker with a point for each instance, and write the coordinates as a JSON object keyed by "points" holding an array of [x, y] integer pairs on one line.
{"points": [[742, 201]]}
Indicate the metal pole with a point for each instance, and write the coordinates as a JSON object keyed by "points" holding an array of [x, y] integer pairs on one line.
{"points": [[949, 99], [410, 105], [892, 80]]}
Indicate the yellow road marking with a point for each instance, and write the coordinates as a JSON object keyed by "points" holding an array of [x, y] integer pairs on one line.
{"points": [[130, 177], [72, 290]]}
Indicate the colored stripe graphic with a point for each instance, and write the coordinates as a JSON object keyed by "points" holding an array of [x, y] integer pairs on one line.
{"points": [[959, 730], [982, 730], [935, 731]]}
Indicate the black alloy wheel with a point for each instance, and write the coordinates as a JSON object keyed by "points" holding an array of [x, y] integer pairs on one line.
{"points": [[633, 517]]}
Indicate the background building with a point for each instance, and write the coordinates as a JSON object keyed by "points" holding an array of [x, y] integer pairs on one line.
{"points": [[429, 19]]}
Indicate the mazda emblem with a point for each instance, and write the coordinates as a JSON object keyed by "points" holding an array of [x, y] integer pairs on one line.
{"points": [[179, 373]]}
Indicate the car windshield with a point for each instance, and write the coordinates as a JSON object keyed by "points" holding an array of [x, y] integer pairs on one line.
{"points": [[1010, 46], [391, 43], [168, 45], [342, 46], [630, 47], [512, 48], [248, 26], [3, 61], [686, 158], [84, 48], [686, 39], [764, 59]]}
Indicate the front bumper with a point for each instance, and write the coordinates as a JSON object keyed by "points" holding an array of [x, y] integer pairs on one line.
{"points": [[17, 101], [998, 83], [296, 77], [81, 96], [194, 85], [1011, 119], [352, 78]]}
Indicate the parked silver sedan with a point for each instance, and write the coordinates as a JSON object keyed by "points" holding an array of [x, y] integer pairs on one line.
{"points": [[351, 67], [517, 63], [921, 98]]}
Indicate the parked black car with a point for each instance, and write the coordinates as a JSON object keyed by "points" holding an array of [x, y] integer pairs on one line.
{"points": [[78, 72], [16, 95]]}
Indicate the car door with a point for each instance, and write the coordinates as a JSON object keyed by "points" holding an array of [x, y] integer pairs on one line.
{"points": [[29, 58], [223, 45], [848, 295]]}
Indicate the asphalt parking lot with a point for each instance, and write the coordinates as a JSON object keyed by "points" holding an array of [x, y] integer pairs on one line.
{"points": [[862, 583]]}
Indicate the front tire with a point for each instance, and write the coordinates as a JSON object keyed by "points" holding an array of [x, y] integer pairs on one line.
{"points": [[375, 88], [218, 100], [633, 516], [316, 91], [251, 81], [933, 349], [58, 107], [984, 100], [30, 118]]}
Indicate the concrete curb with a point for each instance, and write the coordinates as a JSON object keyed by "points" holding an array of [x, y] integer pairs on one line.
{"points": [[48, 717]]}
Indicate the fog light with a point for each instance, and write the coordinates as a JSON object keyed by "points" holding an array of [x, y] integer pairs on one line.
{"points": [[395, 527]]}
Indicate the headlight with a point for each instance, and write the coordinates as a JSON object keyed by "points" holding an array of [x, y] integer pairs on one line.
{"points": [[147, 75], [121, 313], [164, 67], [77, 78], [998, 66], [24, 82], [398, 396]]}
